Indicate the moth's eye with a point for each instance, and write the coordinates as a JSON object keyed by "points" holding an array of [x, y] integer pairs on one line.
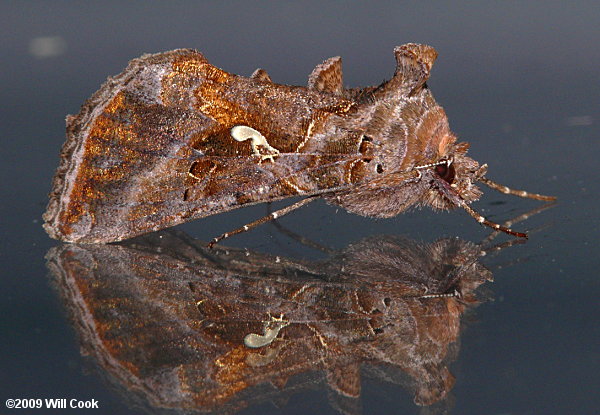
{"points": [[445, 172]]}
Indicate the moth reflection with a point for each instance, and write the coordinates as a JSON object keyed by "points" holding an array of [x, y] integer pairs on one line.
{"points": [[196, 329]]}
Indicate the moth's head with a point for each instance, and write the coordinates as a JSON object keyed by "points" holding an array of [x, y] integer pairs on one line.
{"points": [[450, 182]]}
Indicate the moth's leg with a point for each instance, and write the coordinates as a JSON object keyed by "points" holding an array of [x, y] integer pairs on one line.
{"points": [[277, 214], [479, 218], [507, 190], [520, 218], [487, 249]]}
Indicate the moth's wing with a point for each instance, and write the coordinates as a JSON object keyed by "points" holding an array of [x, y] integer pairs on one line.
{"points": [[328, 76], [261, 74], [153, 148], [344, 377]]}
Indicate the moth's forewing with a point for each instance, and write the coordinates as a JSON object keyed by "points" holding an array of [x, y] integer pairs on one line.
{"points": [[153, 148]]}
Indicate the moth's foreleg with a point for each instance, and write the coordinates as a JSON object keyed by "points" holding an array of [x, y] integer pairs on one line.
{"points": [[479, 218]]}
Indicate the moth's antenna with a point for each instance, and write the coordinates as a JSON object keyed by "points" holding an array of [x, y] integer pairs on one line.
{"points": [[507, 190]]}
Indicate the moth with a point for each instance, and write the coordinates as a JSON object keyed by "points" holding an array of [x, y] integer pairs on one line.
{"points": [[173, 138]]}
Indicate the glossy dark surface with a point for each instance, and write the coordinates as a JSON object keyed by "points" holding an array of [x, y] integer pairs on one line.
{"points": [[518, 82]]}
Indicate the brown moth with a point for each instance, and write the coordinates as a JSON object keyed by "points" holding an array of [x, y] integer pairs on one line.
{"points": [[173, 138]]}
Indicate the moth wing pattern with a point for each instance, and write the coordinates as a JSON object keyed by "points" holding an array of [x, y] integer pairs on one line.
{"points": [[328, 76], [153, 148]]}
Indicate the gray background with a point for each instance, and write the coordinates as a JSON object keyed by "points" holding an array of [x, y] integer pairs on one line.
{"points": [[519, 81]]}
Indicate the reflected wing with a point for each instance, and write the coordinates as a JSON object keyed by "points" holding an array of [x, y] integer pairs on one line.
{"points": [[168, 317]]}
